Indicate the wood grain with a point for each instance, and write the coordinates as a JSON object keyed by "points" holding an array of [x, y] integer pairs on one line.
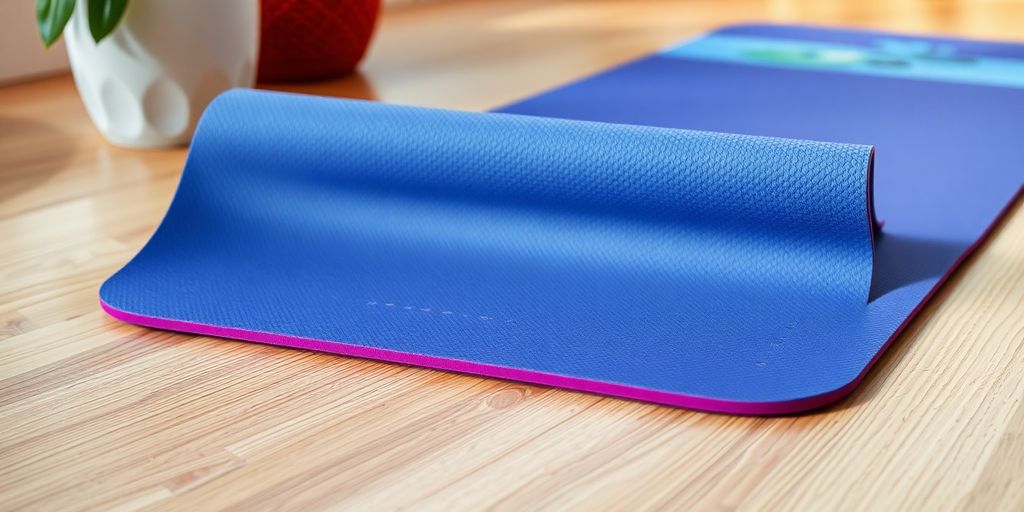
{"points": [[95, 414]]}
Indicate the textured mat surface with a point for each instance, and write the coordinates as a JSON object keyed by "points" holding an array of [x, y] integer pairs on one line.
{"points": [[724, 269]]}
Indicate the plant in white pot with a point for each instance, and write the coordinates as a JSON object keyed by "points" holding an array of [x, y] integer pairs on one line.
{"points": [[146, 69]]}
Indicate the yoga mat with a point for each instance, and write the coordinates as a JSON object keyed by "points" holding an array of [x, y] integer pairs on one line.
{"points": [[696, 228]]}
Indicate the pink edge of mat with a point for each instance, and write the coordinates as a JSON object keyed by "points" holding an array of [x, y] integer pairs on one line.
{"points": [[489, 370], [560, 381]]}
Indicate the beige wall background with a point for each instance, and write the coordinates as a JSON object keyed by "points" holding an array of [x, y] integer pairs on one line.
{"points": [[22, 54]]}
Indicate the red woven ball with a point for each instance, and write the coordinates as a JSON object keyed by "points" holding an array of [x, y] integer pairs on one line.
{"points": [[313, 39]]}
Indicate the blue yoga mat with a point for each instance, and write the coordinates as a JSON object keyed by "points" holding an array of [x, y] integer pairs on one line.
{"points": [[739, 224]]}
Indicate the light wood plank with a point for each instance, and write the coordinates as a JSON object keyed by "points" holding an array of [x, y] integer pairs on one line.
{"points": [[96, 414]]}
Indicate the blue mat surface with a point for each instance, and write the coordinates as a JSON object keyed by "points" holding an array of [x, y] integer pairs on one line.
{"points": [[695, 228]]}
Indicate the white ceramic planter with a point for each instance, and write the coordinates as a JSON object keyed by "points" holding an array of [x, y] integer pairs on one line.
{"points": [[146, 84]]}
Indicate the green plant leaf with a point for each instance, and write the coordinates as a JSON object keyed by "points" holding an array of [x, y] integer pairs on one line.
{"points": [[104, 15], [52, 16]]}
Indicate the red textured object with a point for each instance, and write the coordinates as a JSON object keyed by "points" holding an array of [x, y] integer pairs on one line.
{"points": [[313, 39]]}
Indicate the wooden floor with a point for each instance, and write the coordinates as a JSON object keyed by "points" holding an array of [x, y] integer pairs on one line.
{"points": [[98, 414]]}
